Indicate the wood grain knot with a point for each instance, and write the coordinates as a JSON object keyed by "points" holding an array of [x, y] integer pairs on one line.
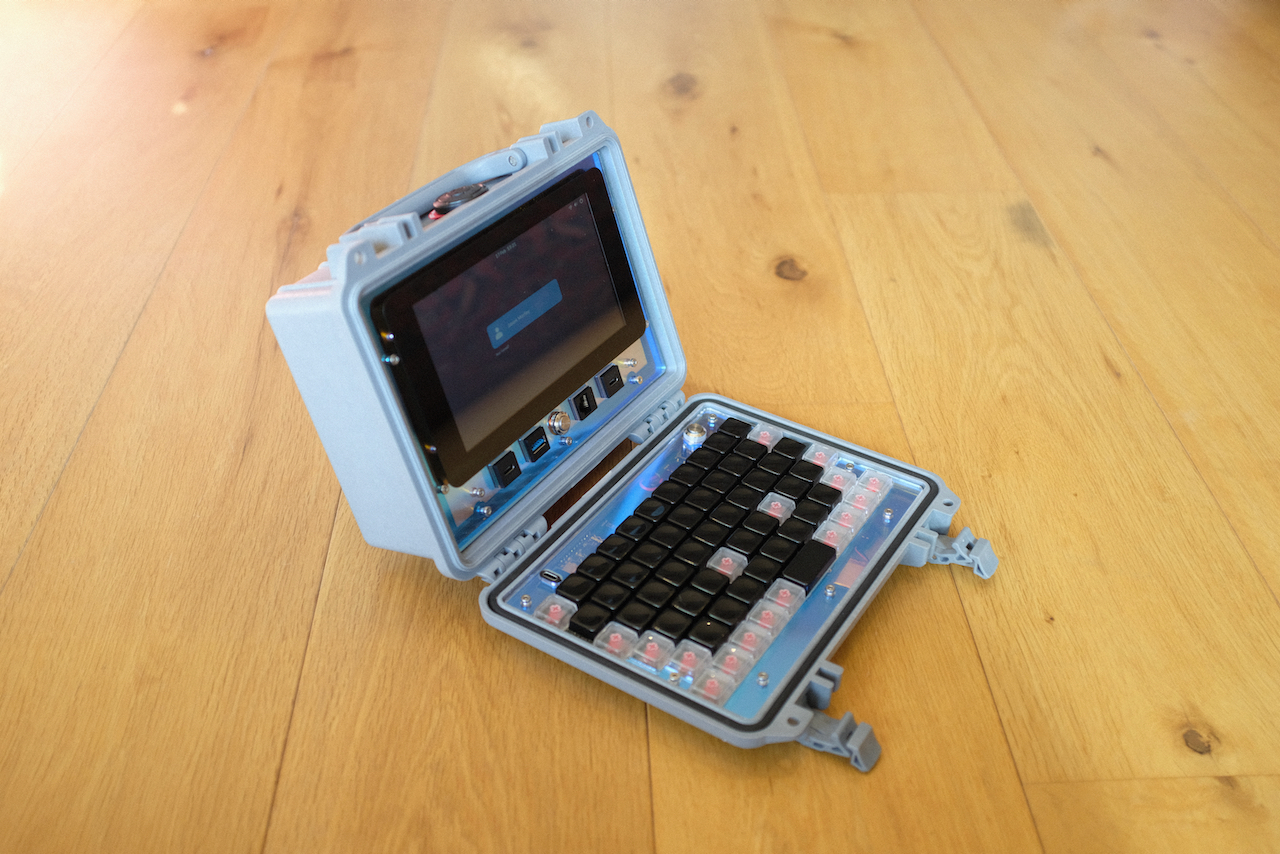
{"points": [[1026, 222], [1196, 742], [788, 269], [332, 55], [682, 84]]}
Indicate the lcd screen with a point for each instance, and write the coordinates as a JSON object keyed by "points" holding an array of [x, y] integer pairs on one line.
{"points": [[498, 331], [513, 323]]}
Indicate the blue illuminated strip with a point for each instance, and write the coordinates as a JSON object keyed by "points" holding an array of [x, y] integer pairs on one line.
{"points": [[527, 311]]}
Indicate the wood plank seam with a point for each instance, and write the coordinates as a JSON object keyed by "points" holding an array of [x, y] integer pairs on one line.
{"points": [[1080, 277], [297, 683], [70, 96], [771, 46], [124, 343]]}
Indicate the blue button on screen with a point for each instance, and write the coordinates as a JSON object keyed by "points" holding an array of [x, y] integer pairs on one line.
{"points": [[526, 311]]}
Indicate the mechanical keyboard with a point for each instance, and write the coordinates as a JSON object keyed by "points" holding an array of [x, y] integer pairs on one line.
{"points": [[692, 573]]}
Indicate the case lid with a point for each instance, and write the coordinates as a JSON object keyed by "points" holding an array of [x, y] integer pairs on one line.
{"points": [[508, 349]]}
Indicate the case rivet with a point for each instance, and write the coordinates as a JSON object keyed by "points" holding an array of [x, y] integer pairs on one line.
{"points": [[762, 679], [477, 491], [635, 379], [393, 359], [525, 601], [888, 516], [484, 509], [628, 363], [566, 440], [830, 591]]}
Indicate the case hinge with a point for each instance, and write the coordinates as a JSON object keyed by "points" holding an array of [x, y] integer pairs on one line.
{"points": [[845, 737], [514, 550], [654, 421], [964, 548]]}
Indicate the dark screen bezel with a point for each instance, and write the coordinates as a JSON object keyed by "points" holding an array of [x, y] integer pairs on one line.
{"points": [[416, 378]]}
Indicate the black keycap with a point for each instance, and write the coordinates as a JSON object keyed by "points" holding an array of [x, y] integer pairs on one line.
{"points": [[762, 569], [690, 601], [667, 535], [810, 511], [686, 475], [649, 554], [735, 427], [809, 564], [736, 465], [709, 633], [652, 509], [710, 533], [615, 547], [745, 497], [703, 458], [760, 522], [719, 481], [744, 541], [721, 443], [703, 499], [576, 587], [589, 620], [744, 588], [796, 530], [610, 595], [636, 615], [727, 514], [774, 463], [779, 549], [806, 470], [672, 623], [685, 516], [728, 610], [790, 448], [751, 449], [671, 493], [595, 567], [693, 552], [792, 487], [709, 581], [760, 480], [828, 496], [634, 528], [655, 594], [675, 572], [629, 574]]}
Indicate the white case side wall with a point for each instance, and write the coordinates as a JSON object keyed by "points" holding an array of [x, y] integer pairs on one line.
{"points": [[356, 434]]}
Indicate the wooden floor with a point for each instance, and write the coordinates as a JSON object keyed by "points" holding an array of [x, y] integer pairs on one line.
{"points": [[1031, 246]]}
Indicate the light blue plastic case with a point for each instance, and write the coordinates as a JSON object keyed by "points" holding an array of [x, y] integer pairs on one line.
{"points": [[467, 364]]}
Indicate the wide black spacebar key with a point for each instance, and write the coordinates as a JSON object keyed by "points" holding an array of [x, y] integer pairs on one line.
{"points": [[810, 562]]}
